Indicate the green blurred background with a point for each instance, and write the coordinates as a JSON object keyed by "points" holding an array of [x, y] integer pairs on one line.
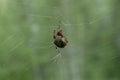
{"points": [[91, 26]]}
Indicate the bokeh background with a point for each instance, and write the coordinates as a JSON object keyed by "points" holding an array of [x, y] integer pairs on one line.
{"points": [[92, 28]]}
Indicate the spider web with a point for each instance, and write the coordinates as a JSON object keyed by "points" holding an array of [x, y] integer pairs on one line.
{"points": [[44, 45], [32, 16]]}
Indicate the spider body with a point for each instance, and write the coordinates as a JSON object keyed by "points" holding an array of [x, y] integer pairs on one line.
{"points": [[59, 40]]}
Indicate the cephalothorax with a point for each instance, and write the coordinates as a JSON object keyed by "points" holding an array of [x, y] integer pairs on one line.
{"points": [[59, 39]]}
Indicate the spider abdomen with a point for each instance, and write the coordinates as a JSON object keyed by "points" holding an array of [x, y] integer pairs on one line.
{"points": [[59, 42]]}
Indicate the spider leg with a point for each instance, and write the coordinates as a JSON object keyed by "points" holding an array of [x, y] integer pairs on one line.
{"points": [[54, 36], [55, 47], [58, 50], [59, 29]]}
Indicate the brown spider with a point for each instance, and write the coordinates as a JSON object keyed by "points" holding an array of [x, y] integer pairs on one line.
{"points": [[59, 39]]}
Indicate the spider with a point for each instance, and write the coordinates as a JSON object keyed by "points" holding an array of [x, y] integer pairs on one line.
{"points": [[59, 39]]}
